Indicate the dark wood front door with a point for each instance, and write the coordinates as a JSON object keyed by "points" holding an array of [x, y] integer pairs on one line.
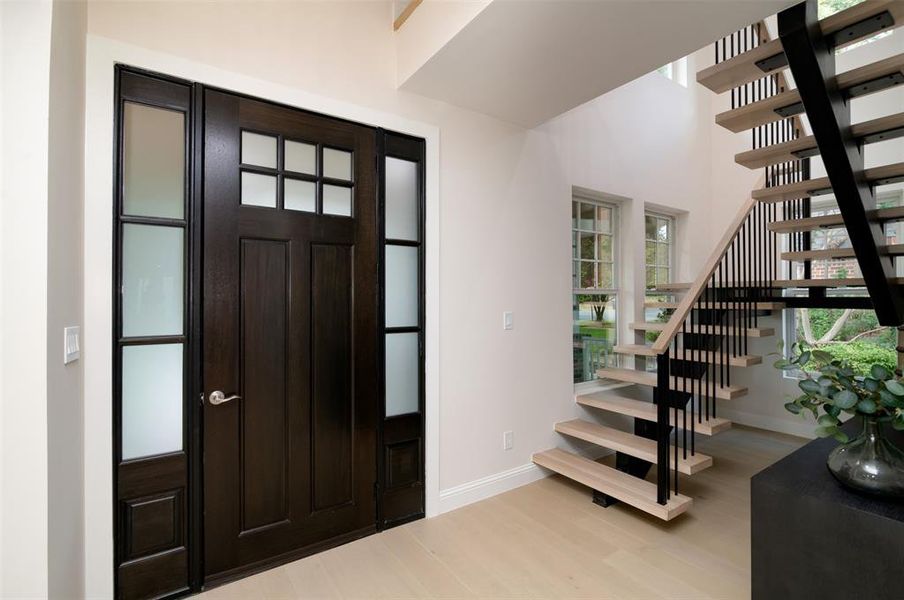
{"points": [[290, 324]]}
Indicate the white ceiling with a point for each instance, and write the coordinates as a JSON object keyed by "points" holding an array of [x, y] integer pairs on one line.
{"points": [[526, 61]]}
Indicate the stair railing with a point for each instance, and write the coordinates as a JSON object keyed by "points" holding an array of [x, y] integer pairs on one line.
{"points": [[707, 330], [694, 367]]}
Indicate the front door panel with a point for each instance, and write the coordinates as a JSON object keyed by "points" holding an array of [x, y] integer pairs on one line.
{"points": [[290, 327]]}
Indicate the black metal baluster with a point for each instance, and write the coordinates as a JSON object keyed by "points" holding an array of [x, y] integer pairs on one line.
{"points": [[675, 415], [662, 428]]}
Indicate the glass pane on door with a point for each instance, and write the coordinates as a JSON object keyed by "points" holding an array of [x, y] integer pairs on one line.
{"points": [[152, 280], [259, 150], [151, 400], [153, 174], [337, 200], [402, 373], [337, 164], [401, 286], [258, 190], [401, 199]]}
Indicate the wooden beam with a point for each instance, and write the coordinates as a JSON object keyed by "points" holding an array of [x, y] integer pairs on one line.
{"points": [[406, 12]]}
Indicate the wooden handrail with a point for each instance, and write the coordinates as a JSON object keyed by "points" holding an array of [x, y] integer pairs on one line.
{"points": [[712, 263]]}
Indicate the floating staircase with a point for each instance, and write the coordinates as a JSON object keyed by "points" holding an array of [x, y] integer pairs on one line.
{"points": [[710, 320]]}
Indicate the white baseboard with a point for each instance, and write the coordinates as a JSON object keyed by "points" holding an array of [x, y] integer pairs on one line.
{"points": [[491, 485], [789, 425]]}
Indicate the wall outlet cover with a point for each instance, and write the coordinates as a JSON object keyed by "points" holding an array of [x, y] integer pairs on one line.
{"points": [[71, 346]]}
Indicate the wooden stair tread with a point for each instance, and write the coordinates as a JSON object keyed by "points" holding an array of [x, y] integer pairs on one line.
{"points": [[636, 492], [809, 187], [745, 360], [785, 152], [727, 305], [671, 287], [828, 283], [742, 68], [833, 253], [649, 380], [628, 443], [832, 221], [707, 329], [634, 349], [763, 111], [646, 411], [739, 69]]}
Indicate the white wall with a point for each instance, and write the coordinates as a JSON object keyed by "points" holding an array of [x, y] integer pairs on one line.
{"points": [[43, 142], [26, 60], [648, 141], [65, 283]]}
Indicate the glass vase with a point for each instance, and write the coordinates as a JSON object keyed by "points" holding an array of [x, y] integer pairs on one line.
{"points": [[869, 463]]}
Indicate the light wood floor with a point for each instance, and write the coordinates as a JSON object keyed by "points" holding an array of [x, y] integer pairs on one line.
{"points": [[547, 540]]}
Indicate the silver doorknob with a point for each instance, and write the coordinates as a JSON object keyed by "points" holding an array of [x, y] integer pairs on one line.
{"points": [[219, 397]]}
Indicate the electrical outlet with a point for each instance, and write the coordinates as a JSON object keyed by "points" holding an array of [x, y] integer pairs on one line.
{"points": [[507, 440]]}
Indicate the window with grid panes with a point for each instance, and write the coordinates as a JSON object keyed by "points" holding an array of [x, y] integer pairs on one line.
{"points": [[594, 287], [659, 235]]}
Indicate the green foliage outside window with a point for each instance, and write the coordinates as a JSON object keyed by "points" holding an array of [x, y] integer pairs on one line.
{"points": [[830, 7], [853, 336]]}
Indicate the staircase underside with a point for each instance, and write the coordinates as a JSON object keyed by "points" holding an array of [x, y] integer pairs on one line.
{"points": [[507, 61]]}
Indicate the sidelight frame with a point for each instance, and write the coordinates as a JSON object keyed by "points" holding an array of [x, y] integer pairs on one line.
{"points": [[191, 337], [397, 505], [188, 520]]}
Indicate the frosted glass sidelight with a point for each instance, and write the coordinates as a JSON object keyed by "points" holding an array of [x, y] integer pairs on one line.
{"points": [[402, 373], [337, 164], [401, 199], [258, 190], [259, 150], [401, 286], [337, 200], [300, 195], [153, 170], [151, 400], [301, 158], [152, 280]]}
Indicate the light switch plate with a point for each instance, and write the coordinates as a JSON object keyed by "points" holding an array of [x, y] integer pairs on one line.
{"points": [[507, 441], [508, 320], [71, 349]]}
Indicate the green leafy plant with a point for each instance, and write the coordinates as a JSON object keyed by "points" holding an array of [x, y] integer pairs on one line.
{"points": [[831, 388]]}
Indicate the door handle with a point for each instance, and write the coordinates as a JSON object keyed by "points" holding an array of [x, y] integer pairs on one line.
{"points": [[219, 397]]}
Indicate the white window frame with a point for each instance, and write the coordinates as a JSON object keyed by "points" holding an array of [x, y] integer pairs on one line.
{"points": [[670, 241], [576, 230], [675, 71]]}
